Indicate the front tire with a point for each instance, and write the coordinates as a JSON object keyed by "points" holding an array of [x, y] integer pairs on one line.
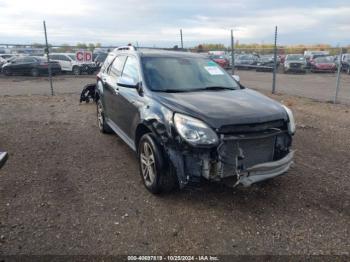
{"points": [[101, 122], [76, 70], [155, 173], [34, 72]]}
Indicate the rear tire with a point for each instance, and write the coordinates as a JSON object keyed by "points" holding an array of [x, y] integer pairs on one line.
{"points": [[102, 125], [155, 172], [348, 71], [76, 70], [34, 72]]}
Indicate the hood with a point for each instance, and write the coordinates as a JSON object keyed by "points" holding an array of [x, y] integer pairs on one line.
{"points": [[220, 60], [218, 108], [325, 65], [295, 62]]}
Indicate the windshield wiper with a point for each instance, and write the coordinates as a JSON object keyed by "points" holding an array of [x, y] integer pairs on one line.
{"points": [[171, 90], [217, 88]]}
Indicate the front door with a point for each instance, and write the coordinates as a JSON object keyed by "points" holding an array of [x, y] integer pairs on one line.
{"points": [[129, 99]]}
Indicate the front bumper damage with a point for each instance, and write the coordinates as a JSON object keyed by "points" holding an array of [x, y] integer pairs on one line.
{"points": [[267, 170], [249, 159]]}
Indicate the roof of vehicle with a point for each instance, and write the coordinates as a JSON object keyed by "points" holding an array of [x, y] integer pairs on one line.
{"points": [[145, 52], [62, 54]]}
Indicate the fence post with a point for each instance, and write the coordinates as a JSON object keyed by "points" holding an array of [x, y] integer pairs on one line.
{"points": [[182, 42], [48, 59], [338, 76], [232, 53], [274, 63]]}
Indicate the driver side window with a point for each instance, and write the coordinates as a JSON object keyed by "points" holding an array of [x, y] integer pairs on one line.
{"points": [[131, 69]]}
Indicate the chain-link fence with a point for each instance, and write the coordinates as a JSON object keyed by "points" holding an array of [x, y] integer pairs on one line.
{"points": [[319, 72]]}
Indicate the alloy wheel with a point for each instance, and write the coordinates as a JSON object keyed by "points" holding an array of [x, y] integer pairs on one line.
{"points": [[100, 115], [148, 167]]}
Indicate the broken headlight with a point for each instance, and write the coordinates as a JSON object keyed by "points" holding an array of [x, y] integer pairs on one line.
{"points": [[291, 122], [194, 131]]}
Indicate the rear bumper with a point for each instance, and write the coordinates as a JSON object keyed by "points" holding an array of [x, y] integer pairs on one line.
{"points": [[267, 170]]}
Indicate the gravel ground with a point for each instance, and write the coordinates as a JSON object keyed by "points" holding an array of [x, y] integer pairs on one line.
{"points": [[68, 189]]}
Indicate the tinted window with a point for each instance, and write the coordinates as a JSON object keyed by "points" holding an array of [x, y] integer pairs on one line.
{"points": [[54, 57], [117, 66], [131, 69], [184, 74], [64, 58], [29, 59]]}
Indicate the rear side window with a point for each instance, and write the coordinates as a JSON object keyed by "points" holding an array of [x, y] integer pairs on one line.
{"points": [[64, 58], [117, 66], [107, 62]]}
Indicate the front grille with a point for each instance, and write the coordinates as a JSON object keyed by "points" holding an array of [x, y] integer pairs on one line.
{"points": [[252, 128], [240, 152], [295, 65], [250, 152]]}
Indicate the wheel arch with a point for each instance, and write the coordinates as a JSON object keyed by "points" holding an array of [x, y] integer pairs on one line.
{"points": [[141, 129]]}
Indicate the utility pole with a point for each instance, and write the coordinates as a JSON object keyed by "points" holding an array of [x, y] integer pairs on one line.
{"points": [[182, 42], [232, 53], [48, 59], [274, 64]]}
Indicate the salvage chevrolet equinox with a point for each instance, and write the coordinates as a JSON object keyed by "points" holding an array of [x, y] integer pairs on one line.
{"points": [[188, 119]]}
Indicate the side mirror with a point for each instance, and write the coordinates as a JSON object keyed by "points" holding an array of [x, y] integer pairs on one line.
{"points": [[236, 77], [3, 158], [127, 82]]}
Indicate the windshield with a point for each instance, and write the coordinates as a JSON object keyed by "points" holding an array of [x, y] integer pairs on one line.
{"points": [[324, 59], [179, 74], [72, 57], [295, 57], [244, 57], [217, 57]]}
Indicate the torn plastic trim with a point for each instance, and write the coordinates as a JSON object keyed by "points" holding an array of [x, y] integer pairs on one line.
{"points": [[266, 171]]}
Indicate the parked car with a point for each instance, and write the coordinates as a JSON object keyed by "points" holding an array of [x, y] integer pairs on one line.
{"points": [[246, 61], [221, 60], [6, 56], [69, 63], [310, 60], [294, 63], [3, 158], [188, 119], [323, 64], [31, 65], [266, 63], [346, 64], [100, 59]]}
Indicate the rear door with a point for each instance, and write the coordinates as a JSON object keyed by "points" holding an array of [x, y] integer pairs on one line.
{"points": [[65, 63], [111, 89]]}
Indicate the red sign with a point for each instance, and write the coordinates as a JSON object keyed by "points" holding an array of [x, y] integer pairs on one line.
{"points": [[83, 56]]}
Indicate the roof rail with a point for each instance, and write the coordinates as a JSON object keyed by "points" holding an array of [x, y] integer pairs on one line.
{"points": [[128, 47]]}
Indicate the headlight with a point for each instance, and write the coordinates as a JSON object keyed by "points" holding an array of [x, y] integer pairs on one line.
{"points": [[291, 123], [194, 131]]}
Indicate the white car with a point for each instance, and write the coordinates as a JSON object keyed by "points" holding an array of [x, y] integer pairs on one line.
{"points": [[69, 63]]}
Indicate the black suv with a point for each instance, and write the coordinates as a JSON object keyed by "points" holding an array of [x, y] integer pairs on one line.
{"points": [[188, 119]]}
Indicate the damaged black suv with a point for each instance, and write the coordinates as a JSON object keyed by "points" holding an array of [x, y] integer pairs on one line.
{"points": [[188, 119]]}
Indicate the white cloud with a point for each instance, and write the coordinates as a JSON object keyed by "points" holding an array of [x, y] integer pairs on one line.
{"points": [[158, 21]]}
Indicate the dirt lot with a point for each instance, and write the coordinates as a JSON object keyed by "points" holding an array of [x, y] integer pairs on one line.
{"points": [[67, 189]]}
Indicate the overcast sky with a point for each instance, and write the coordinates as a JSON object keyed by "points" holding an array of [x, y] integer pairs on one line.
{"points": [[157, 22]]}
